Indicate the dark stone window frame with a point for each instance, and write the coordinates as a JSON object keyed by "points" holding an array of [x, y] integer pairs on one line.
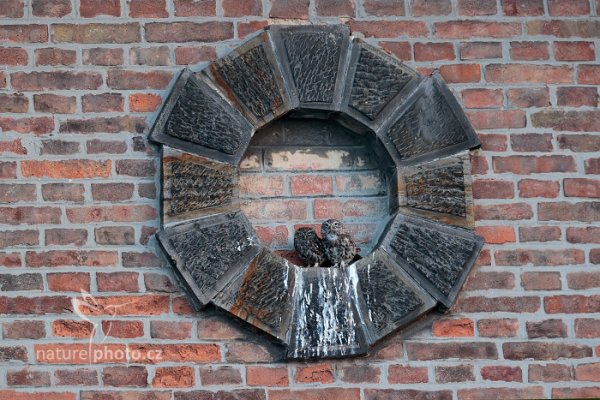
{"points": [[427, 248]]}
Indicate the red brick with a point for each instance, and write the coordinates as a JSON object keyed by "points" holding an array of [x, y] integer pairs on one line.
{"points": [[192, 8], [463, 327], [588, 234], [28, 378], [23, 330], [13, 193], [13, 56], [473, 29], [529, 97], [501, 393], [440, 351], [73, 377], [159, 283], [304, 185], [59, 147], [72, 328], [148, 9], [289, 9], [334, 8], [529, 142], [523, 7], [325, 209], [101, 56], [55, 104], [112, 191], [119, 79], [197, 353], [454, 373], [13, 146], [529, 51], [518, 304], [35, 125], [275, 210], [247, 352], [117, 281], [496, 119], [539, 233], [322, 373], [539, 257], [434, 51], [35, 305], [544, 350], [405, 374], [148, 304], [56, 80], [479, 164], [360, 373], [493, 142], [170, 330], [62, 192], [579, 143], [430, 7], [120, 376], [583, 280], [401, 50], [512, 211], [246, 28], [550, 373], [574, 51], [482, 98], [105, 102], [577, 96], [24, 33], [29, 215], [94, 8], [64, 258], [384, 8], [188, 31], [51, 8], [528, 73], [141, 260], [96, 33], [538, 188], [123, 329], [52, 56], [575, 392], [15, 395], [550, 328], [461, 73], [579, 187], [505, 327], [276, 236], [125, 213], [571, 304], [96, 146], [266, 376], [493, 189], [12, 9], [587, 328], [315, 394], [195, 54], [69, 169], [144, 102], [232, 8], [261, 185], [389, 29], [565, 211], [10, 260], [65, 237], [476, 7], [568, 8], [564, 28], [480, 50], [496, 234], [218, 328], [541, 280], [180, 376], [483, 280], [589, 74], [525, 165]]}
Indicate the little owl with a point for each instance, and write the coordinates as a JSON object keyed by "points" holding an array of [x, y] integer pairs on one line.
{"points": [[309, 247], [339, 247]]}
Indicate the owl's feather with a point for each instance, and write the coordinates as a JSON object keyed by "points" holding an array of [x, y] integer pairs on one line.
{"points": [[309, 247]]}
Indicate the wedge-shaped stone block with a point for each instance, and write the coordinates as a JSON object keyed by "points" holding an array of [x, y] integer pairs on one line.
{"points": [[195, 118], [195, 186], [436, 255], [208, 252], [314, 57], [439, 190], [390, 297], [429, 125], [262, 294], [326, 322], [376, 84], [252, 80]]}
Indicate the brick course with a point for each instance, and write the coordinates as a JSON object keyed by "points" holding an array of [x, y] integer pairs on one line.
{"points": [[81, 82]]}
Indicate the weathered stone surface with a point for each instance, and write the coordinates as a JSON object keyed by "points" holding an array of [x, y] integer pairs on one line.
{"points": [[195, 186], [430, 124], [438, 256], [391, 297], [209, 251], [313, 54], [261, 296], [249, 77], [375, 80], [196, 119], [326, 322], [438, 190]]}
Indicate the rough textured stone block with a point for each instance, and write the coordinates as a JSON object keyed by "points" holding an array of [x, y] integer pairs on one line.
{"points": [[438, 256], [326, 322], [195, 186], [376, 83], [390, 297], [430, 124], [262, 294], [439, 190], [315, 59], [250, 78], [208, 252], [196, 119]]}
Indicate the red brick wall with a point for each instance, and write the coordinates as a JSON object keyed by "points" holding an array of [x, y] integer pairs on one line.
{"points": [[81, 80]]}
